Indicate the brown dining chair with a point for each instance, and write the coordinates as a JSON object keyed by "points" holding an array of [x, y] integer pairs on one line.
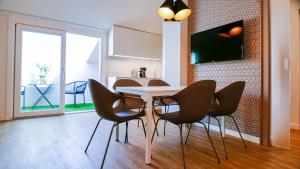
{"points": [[104, 101], [225, 103], [129, 102], [194, 102], [163, 102]]}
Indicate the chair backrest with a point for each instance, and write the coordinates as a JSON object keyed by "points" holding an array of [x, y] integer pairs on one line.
{"points": [[195, 101], [103, 100], [157, 82], [76, 87], [126, 83], [80, 86], [229, 98]]}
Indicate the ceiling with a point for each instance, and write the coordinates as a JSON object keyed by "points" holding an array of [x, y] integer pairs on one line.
{"points": [[138, 14]]}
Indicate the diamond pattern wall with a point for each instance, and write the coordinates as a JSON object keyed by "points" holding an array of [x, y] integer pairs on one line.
{"points": [[208, 14]]}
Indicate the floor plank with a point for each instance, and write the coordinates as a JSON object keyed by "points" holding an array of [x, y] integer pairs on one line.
{"points": [[59, 142]]}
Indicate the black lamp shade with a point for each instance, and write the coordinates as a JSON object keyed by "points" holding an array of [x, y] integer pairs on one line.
{"points": [[182, 11], [166, 10]]}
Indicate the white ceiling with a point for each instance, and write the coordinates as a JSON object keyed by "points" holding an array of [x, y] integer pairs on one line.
{"points": [[138, 14]]}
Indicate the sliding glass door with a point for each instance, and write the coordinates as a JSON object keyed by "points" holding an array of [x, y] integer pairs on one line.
{"points": [[39, 71]]}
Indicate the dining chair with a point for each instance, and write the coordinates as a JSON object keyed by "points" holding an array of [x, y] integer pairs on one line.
{"points": [[158, 101], [128, 101], [104, 101], [194, 102], [225, 103], [75, 88]]}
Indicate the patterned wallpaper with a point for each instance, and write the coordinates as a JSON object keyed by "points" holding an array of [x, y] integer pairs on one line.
{"points": [[208, 14]]}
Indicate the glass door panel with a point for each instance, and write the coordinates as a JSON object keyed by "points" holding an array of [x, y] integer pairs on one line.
{"points": [[39, 75]]}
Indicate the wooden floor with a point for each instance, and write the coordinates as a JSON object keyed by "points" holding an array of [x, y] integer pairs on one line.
{"points": [[59, 142]]}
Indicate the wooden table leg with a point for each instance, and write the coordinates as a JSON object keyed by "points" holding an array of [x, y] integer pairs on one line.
{"points": [[223, 127], [149, 129]]}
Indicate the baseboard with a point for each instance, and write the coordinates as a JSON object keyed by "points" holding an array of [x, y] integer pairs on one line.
{"points": [[277, 146], [233, 133], [247, 137], [2, 118], [295, 126]]}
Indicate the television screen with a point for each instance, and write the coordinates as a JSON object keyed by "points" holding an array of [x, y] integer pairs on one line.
{"points": [[218, 44]]}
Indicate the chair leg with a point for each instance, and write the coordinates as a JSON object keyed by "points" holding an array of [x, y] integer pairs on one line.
{"points": [[74, 100], [154, 123], [24, 101], [208, 124], [117, 132], [212, 144], [111, 131], [222, 137], [139, 119], [155, 129], [126, 133], [182, 148], [143, 125], [165, 121], [83, 99], [92, 136], [239, 131], [187, 137]]}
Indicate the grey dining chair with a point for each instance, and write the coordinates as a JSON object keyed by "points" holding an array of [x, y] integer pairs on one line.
{"points": [[225, 103], [190, 110], [128, 101], [158, 101], [104, 101]]}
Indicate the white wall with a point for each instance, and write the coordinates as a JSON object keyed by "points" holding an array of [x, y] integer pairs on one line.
{"points": [[280, 73], [3, 54], [175, 37], [295, 61]]}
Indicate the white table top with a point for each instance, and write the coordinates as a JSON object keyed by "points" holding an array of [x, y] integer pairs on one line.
{"points": [[150, 90]]}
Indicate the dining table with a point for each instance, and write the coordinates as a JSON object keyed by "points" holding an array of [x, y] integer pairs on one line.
{"points": [[147, 94]]}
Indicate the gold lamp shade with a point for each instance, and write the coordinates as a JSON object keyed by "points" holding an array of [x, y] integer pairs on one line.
{"points": [[171, 11], [166, 10], [182, 10]]}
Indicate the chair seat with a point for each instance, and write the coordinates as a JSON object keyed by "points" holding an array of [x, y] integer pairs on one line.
{"points": [[125, 114], [168, 116], [164, 101], [133, 103], [69, 92]]}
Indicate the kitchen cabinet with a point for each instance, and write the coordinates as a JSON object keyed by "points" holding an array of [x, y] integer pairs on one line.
{"points": [[131, 43]]}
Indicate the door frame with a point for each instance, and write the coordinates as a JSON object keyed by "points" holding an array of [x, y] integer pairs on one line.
{"points": [[18, 70], [15, 18]]}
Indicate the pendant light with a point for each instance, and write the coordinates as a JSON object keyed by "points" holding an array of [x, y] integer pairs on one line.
{"points": [[171, 11], [182, 10], [166, 10]]}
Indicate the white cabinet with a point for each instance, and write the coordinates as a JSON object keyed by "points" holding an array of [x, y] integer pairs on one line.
{"points": [[124, 42]]}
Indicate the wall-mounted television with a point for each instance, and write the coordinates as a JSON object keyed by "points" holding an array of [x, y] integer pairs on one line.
{"points": [[218, 44]]}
